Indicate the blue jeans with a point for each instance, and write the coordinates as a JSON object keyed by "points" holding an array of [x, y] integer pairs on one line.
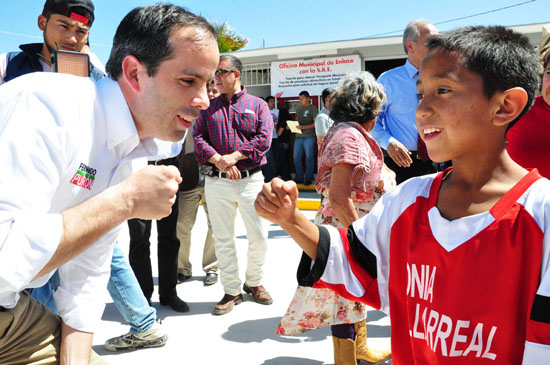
{"points": [[124, 289], [302, 144], [44, 294]]}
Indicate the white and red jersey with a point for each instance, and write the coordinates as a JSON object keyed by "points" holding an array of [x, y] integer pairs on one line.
{"points": [[475, 290]]}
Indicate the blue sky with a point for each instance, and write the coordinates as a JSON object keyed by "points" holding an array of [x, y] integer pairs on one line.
{"points": [[283, 22]]}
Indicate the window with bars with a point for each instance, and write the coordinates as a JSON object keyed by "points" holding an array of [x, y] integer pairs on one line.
{"points": [[256, 74]]}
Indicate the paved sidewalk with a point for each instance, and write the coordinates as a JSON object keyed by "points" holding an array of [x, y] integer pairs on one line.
{"points": [[245, 336]]}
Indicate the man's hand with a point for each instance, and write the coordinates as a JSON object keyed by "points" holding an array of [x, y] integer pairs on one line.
{"points": [[227, 161], [277, 201], [152, 191], [399, 154], [147, 194], [233, 173]]}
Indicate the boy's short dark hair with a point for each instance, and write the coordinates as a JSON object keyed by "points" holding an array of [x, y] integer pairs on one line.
{"points": [[304, 93], [503, 58], [545, 60], [268, 98], [145, 33]]}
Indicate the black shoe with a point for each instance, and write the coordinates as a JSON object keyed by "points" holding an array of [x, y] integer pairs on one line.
{"points": [[211, 278], [182, 277], [307, 182], [175, 303]]}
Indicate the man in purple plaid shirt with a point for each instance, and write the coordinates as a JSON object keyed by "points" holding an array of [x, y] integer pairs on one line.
{"points": [[232, 138]]}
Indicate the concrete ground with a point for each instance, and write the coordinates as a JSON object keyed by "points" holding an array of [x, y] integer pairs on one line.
{"points": [[245, 336]]}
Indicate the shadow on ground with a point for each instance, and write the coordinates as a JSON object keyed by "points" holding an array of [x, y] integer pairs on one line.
{"points": [[286, 360], [259, 330]]}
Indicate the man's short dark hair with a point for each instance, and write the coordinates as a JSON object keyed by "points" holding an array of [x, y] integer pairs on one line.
{"points": [[503, 58], [327, 93], [267, 99], [145, 34], [233, 61], [304, 93]]}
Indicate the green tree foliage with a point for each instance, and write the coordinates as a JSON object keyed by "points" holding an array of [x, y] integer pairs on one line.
{"points": [[228, 39]]}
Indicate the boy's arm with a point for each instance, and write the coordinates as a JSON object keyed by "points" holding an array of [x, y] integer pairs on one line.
{"points": [[340, 256], [277, 203]]}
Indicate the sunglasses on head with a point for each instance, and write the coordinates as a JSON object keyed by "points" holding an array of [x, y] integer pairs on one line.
{"points": [[221, 72]]}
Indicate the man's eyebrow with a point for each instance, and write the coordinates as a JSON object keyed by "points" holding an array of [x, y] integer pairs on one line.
{"points": [[191, 72], [72, 24]]}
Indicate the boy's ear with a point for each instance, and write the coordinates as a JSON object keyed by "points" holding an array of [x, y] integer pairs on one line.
{"points": [[512, 103]]}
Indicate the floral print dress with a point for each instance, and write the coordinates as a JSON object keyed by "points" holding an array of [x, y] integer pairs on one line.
{"points": [[313, 308]]}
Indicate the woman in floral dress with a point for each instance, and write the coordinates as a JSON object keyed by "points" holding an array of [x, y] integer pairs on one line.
{"points": [[352, 177]]}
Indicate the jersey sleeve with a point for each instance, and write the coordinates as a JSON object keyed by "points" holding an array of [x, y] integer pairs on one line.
{"points": [[537, 344], [355, 267]]}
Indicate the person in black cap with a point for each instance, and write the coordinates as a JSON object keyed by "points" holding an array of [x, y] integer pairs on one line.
{"points": [[65, 25]]}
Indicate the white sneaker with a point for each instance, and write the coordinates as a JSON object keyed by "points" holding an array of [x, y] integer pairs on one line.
{"points": [[153, 337]]}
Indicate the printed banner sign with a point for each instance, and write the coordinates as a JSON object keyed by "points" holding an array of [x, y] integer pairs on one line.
{"points": [[289, 78]]}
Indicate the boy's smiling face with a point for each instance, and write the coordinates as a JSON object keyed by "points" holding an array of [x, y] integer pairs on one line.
{"points": [[453, 115]]}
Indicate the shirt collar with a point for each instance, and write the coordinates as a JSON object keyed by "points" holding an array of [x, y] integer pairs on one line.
{"points": [[411, 70], [120, 128], [119, 124], [236, 95]]}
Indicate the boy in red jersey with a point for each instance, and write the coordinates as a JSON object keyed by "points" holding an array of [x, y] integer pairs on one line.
{"points": [[460, 260]]}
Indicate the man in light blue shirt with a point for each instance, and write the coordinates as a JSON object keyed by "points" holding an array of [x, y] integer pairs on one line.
{"points": [[396, 130]]}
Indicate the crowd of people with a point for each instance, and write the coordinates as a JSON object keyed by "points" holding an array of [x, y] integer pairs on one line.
{"points": [[433, 177]]}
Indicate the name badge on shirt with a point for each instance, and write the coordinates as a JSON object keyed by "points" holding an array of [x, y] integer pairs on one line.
{"points": [[84, 177]]}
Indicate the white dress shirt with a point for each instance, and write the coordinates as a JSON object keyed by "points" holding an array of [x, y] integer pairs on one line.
{"points": [[63, 140]]}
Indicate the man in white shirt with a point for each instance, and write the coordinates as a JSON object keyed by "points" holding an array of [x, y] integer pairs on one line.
{"points": [[67, 183]]}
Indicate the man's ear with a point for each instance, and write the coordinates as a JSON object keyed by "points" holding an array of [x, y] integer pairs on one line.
{"points": [[132, 72], [409, 46], [512, 102], [42, 21], [237, 74]]}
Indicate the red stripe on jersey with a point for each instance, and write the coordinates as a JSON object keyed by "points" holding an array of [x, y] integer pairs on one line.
{"points": [[372, 295], [538, 332], [504, 203]]}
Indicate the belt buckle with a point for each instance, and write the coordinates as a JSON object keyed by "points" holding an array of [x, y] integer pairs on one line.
{"points": [[207, 170]]}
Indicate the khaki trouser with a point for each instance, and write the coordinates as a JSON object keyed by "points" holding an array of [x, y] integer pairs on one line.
{"points": [[31, 334], [188, 205], [224, 197]]}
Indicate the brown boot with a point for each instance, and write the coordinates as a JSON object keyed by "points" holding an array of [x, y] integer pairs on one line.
{"points": [[344, 351], [362, 351]]}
